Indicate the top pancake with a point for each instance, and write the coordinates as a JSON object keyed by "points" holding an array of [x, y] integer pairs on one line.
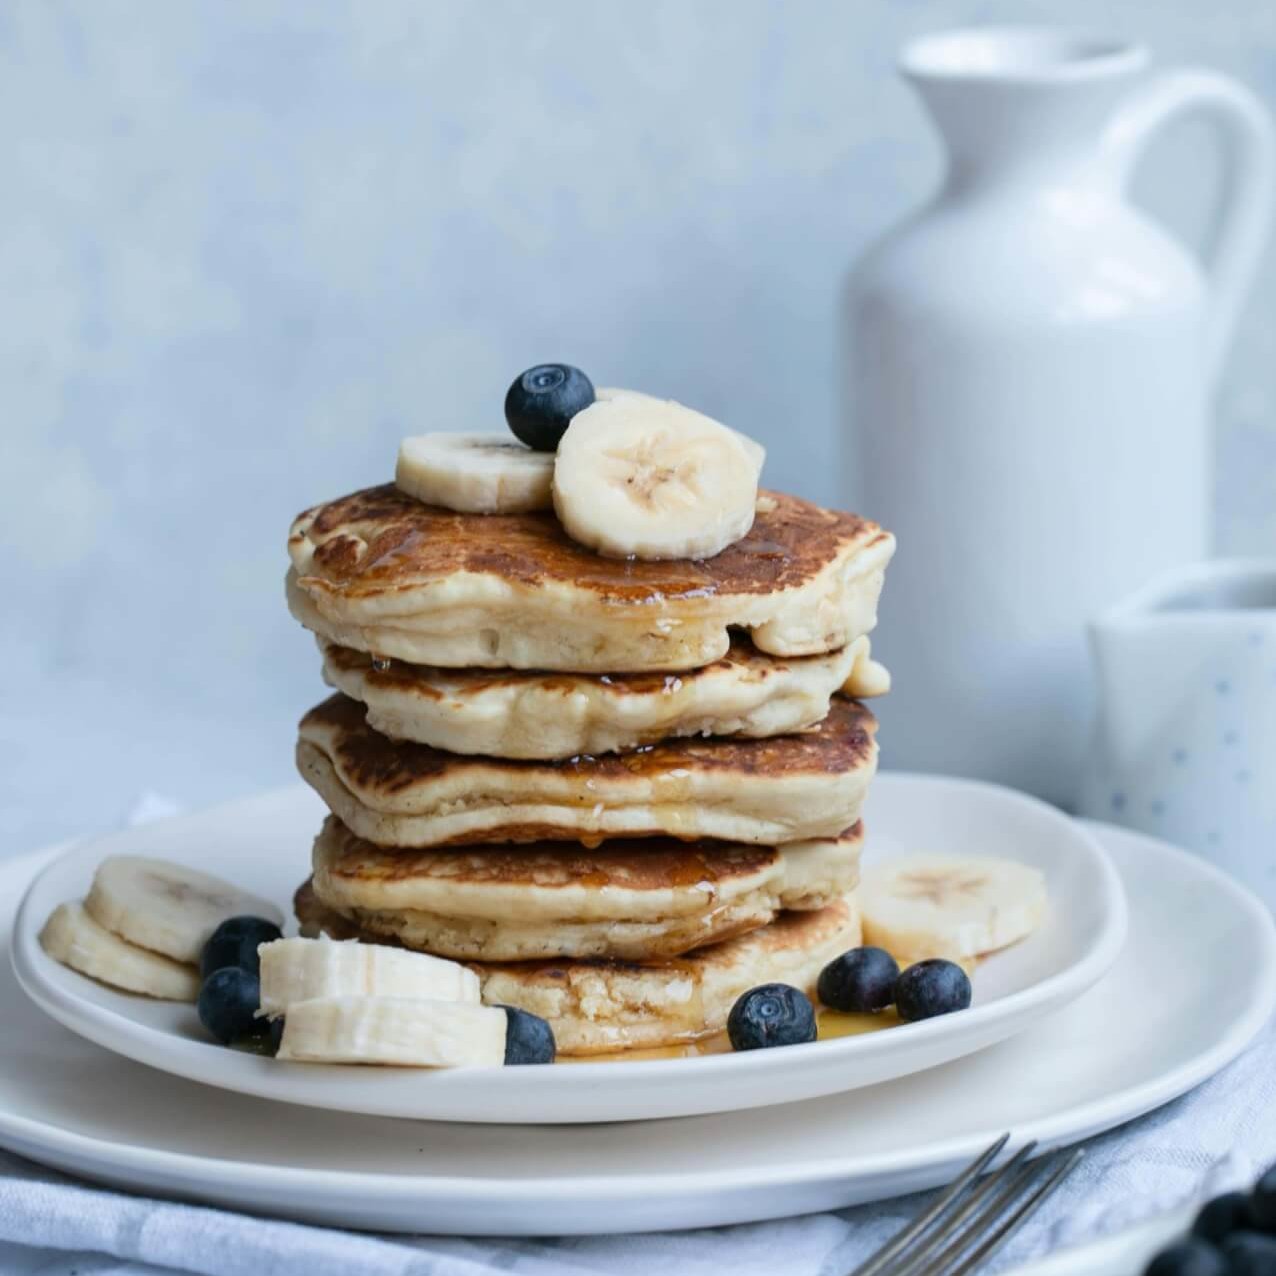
{"points": [[384, 573]]}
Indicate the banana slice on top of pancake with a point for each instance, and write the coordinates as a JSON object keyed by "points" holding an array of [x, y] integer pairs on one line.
{"points": [[605, 394], [637, 477], [475, 473]]}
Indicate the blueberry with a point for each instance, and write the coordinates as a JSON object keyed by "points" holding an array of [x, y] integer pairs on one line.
{"points": [[771, 1015], [528, 1038], [234, 943], [264, 1039], [860, 980], [1262, 1205], [228, 1003], [539, 406], [1249, 1254], [1222, 1216], [1192, 1257], [931, 988]]}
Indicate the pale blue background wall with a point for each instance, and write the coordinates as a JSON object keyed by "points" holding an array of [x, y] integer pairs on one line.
{"points": [[245, 246]]}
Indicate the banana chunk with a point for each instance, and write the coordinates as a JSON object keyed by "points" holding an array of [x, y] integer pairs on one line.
{"points": [[168, 908], [475, 473], [958, 907], [637, 477], [74, 939], [294, 970], [399, 1031]]}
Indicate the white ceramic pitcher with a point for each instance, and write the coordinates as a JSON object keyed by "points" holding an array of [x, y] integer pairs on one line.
{"points": [[1030, 360], [1185, 741]]}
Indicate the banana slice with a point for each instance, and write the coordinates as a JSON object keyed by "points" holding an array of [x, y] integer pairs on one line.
{"points": [[958, 907], [72, 937], [757, 453], [637, 477], [393, 1030], [475, 473], [168, 908], [295, 970]]}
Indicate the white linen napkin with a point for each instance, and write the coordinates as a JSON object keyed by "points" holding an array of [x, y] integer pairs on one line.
{"points": [[1218, 1137]]}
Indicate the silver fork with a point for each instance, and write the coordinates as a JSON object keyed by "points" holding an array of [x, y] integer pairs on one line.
{"points": [[972, 1218]]}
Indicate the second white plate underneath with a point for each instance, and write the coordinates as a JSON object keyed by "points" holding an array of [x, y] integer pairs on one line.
{"points": [[1136, 1040], [264, 846]]}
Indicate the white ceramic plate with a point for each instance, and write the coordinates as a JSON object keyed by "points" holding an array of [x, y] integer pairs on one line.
{"points": [[1113, 1054], [263, 846]]}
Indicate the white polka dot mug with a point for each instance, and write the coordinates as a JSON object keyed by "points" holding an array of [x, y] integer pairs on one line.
{"points": [[1184, 745]]}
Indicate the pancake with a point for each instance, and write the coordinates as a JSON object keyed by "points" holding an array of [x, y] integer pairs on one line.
{"points": [[381, 572], [760, 792], [605, 1006], [627, 899], [513, 714]]}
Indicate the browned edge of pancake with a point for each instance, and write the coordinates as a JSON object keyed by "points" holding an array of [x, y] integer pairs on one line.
{"points": [[380, 539], [371, 762], [785, 931], [400, 676], [637, 864]]}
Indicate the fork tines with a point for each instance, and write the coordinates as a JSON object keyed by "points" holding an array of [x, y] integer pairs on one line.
{"points": [[972, 1218]]}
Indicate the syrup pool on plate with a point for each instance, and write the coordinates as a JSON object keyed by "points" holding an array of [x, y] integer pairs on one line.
{"points": [[832, 1024], [841, 1023]]}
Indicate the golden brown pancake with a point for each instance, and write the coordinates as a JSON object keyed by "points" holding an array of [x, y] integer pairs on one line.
{"points": [[381, 572], [628, 899], [596, 1007], [511, 713], [759, 792]]}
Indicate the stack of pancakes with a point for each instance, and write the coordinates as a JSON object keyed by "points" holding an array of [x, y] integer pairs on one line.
{"points": [[624, 792]]}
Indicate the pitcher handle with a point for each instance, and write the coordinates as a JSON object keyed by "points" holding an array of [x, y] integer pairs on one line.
{"points": [[1246, 211]]}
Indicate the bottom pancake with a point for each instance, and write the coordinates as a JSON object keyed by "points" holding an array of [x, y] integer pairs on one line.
{"points": [[599, 1007]]}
